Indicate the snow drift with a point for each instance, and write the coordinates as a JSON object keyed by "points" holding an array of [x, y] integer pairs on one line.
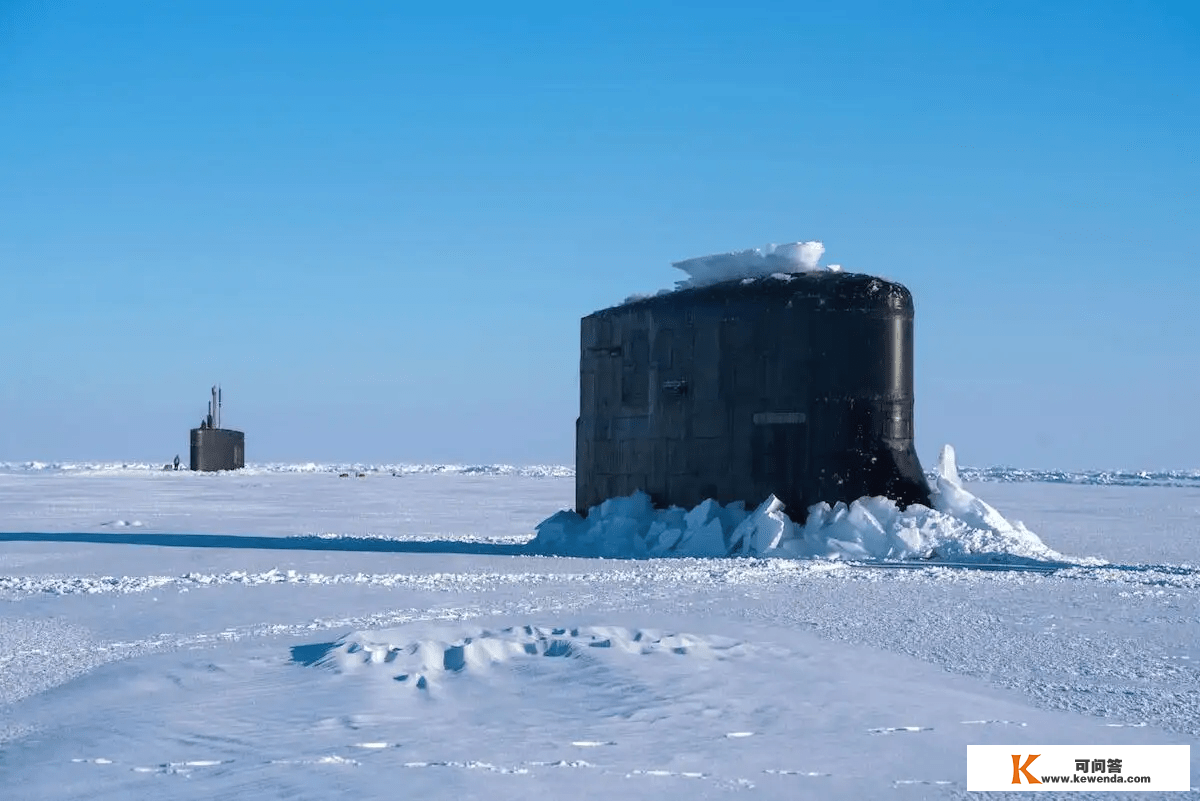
{"points": [[960, 527], [447, 650]]}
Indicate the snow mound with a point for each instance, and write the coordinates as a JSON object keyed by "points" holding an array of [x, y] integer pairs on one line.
{"points": [[778, 260], [959, 528], [420, 662]]}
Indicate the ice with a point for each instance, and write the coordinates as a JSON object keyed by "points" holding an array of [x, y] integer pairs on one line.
{"points": [[778, 260], [268, 468], [960, 528], [998, 474], [251, 636]]}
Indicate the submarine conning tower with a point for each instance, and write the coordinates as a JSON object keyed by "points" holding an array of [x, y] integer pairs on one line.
{"points": [[214, 448], [799, 386]]}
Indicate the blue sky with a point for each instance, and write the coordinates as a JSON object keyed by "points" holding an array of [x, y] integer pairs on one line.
{"points": [[377, 224]]}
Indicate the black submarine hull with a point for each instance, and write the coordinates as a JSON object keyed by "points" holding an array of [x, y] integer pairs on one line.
{"points": [[800, 387]]}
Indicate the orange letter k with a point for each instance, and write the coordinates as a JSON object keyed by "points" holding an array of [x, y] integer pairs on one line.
{"points": [[1018, 769]]}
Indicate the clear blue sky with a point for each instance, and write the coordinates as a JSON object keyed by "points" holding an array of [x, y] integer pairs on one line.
{"points": [[377, 224]]}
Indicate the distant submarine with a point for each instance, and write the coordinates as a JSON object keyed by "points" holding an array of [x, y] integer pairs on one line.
{"points": [[214, 448]]}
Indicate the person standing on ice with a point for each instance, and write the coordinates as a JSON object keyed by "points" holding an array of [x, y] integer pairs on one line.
{"points": [[177, 461]]}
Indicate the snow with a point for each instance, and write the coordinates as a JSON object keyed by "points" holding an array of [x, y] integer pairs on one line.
{"points": [[780, 260], [960, 528], [426, 664], [248, 639], [1014, 475], [777, 262], [351, 469]]}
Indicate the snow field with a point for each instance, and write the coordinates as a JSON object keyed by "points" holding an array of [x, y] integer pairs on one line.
{"points": [[247, 641]]}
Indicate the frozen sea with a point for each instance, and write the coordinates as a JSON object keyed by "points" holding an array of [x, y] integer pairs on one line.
{"points": [[286, 632]]}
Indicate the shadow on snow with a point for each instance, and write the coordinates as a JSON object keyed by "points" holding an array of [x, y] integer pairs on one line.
{"points": [[476, 548], [306, 543]]}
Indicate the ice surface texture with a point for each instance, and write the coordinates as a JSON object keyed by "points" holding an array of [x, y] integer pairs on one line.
{"points": [[258, 669]]}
